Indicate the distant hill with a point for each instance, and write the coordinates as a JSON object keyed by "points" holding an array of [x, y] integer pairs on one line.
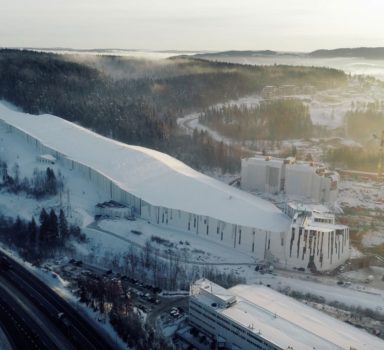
{"points": [[239, 53], [362, 52]]}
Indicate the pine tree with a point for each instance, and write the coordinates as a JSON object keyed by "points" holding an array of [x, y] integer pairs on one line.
{"points": [[51, 183], [32, 231], [53, 230], [44, 225], [17, 227], [63, 225]]}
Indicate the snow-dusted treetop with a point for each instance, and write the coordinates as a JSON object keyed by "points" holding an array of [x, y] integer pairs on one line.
{"points": [[153, 176]]}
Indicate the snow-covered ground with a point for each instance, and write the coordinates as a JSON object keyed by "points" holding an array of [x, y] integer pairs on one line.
{"points": [[354, 295], [367, 194], [361, 276], [374, 238], [117, 236]]}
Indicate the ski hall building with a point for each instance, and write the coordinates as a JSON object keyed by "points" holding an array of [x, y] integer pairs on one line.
{"points": [[162, 190], [254, 317]]}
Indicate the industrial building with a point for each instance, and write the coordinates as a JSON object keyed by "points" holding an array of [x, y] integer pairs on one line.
{"points": [[160, 189], [112, 209], [306, 180], [254, 317]]}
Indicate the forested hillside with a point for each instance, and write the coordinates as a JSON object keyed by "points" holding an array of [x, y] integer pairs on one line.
{"points": [[138, 101], [362, 124], [270, 120]]}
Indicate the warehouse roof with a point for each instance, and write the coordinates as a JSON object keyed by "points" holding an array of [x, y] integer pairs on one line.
{"points": [[155, 177], [286, 322]]}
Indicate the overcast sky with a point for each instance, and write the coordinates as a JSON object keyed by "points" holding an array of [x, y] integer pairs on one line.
{"points": [[289, 25]]}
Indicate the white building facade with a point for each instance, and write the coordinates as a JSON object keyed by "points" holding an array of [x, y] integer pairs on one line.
{"points": [[308, 180], [315, 241]]}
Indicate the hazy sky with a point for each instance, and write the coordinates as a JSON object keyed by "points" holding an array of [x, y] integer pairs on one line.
{"points": [[299, 25]]}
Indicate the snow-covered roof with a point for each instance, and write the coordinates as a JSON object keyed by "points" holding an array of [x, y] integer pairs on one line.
{"points": [[287, 322], [155, 177], [223, 296]]}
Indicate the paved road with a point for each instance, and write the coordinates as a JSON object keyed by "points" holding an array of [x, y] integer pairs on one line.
{"points": [[38, 322], [79, 332], [164, 308], [190, 122], [19, 327]]}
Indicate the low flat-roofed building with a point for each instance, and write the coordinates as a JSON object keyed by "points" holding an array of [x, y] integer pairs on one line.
{"points": [[260, 318], [46, 158], [113, 209]]}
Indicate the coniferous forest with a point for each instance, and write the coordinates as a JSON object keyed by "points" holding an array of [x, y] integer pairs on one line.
{"points": [[270, 120], [137, 101]]}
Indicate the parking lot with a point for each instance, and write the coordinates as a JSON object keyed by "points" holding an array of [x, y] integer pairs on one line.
{"points": [[159, 308]]}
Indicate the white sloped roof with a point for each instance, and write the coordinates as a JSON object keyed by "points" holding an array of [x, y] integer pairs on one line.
{"points": [[153, 176]]}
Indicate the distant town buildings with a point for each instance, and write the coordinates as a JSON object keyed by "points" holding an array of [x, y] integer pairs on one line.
{"points": [[308, 181], [254, 317], [270, 91]]}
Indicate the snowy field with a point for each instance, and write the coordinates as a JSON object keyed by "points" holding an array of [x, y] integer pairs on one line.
{"points": [[361, 275], [372, 239], [367, 194], [354, 295], [194, 249]]}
